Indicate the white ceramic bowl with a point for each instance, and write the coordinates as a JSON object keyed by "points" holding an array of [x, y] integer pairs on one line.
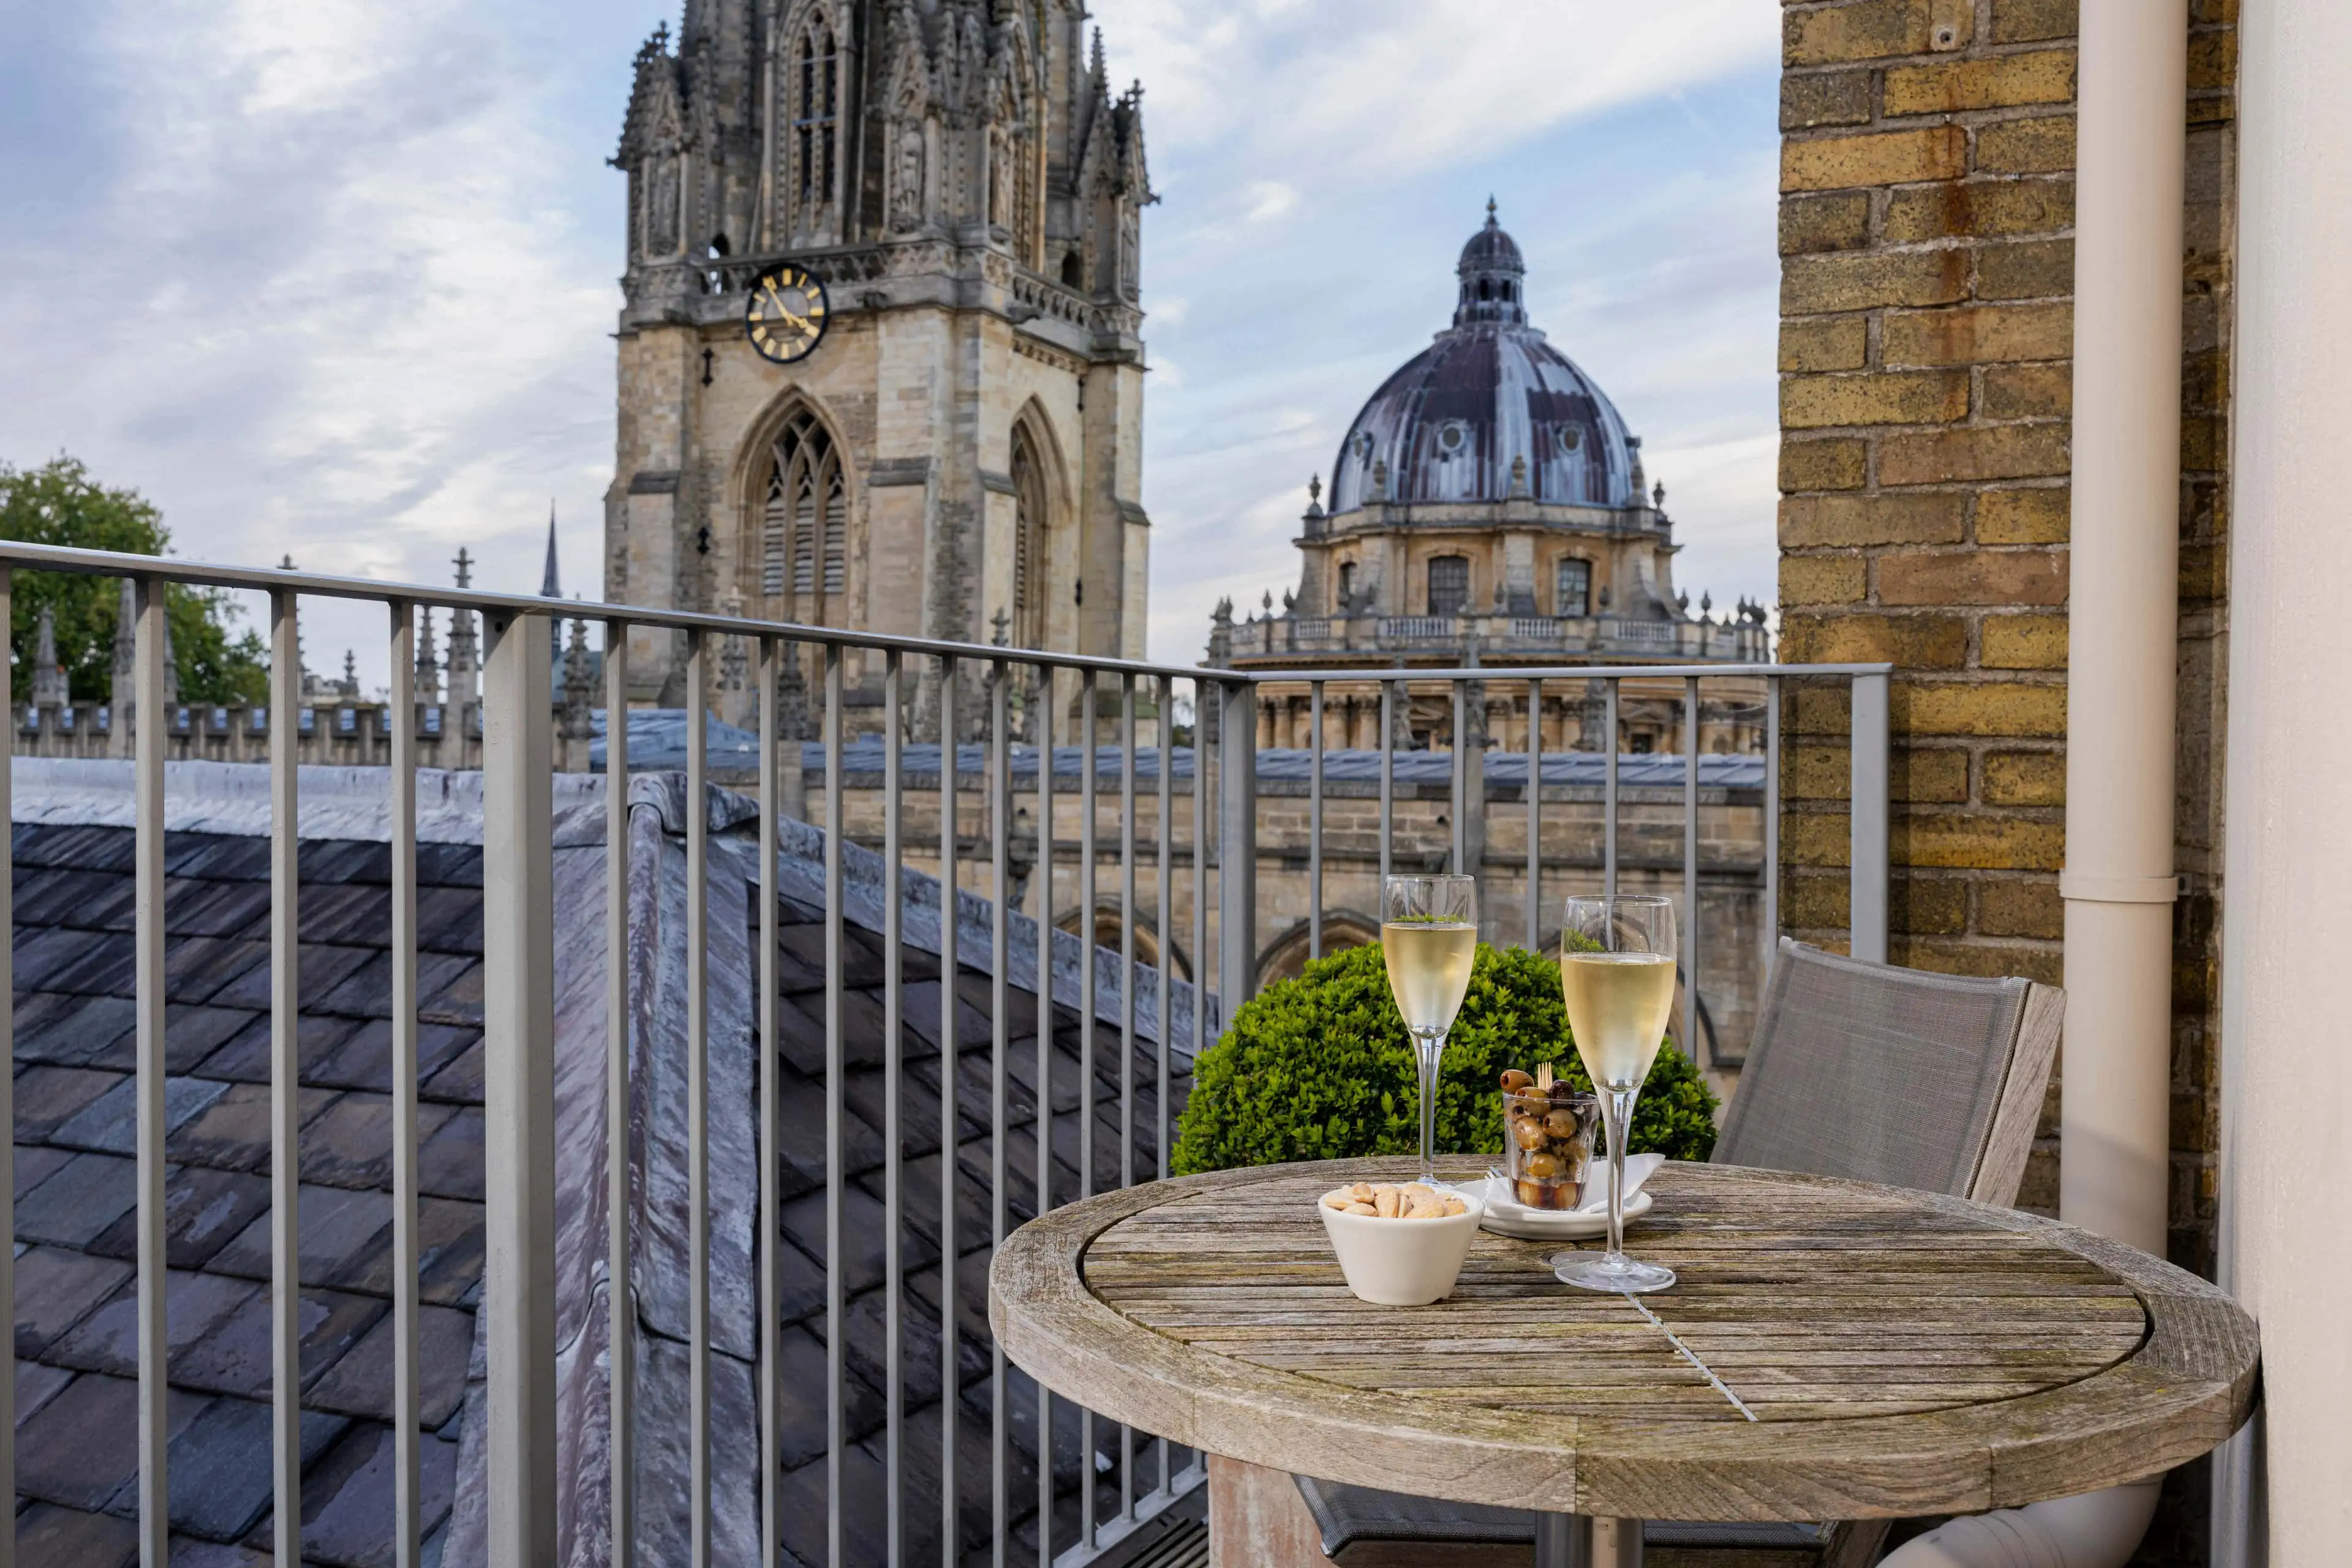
{"points": [[1402, 1262]]}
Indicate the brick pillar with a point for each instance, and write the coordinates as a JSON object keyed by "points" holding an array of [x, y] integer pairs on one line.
{"points": [[1926, 218]]}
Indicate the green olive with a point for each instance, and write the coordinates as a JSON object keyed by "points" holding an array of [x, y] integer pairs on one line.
{"points": [[1560, 1123], [1516, 1082], [1543, 1165], [1527, 1133]]}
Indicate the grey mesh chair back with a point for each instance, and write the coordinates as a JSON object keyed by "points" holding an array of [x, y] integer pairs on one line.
{"points": [[1890, 1075]]}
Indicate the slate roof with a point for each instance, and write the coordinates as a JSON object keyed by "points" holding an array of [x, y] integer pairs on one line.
{"points": [[75, 1292], [75, 1299]]}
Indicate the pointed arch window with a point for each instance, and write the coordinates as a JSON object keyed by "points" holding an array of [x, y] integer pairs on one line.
{"points": [[1029, 525], [804, 545], [815, 115]]}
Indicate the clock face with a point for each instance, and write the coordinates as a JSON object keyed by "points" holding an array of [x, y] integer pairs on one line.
{"points": [[786, 316]]}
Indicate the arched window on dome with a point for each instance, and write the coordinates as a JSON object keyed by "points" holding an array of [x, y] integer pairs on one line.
{"points": [[1449, 584], [804, 525], [1572, 591], [1029, 526]]}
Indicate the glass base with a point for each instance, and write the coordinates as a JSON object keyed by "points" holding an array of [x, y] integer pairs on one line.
{"points": [[1597, 1271]]}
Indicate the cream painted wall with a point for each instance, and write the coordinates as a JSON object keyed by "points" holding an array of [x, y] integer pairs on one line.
{"points": [[2284, 1495]]}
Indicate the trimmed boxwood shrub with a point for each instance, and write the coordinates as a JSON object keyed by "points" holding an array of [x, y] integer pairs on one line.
{"points": [[1320, 1068]]}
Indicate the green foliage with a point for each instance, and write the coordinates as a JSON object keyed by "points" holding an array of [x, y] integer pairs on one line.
{"points": [[1320, 1068], [59, 503]]}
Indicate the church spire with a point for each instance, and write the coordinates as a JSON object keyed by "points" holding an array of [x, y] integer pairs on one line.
{"points": [[549, 588]]}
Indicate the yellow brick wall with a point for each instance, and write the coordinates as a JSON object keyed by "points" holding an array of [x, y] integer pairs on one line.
{"points": [[1926, 221]]}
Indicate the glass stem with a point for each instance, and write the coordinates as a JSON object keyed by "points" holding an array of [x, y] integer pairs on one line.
{"points": [[1430, 1049], [1620, 1108]]}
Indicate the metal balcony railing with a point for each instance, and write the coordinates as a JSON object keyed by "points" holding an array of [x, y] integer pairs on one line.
{"points": [[1114, 1126]]}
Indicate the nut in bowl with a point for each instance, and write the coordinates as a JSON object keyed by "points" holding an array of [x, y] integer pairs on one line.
{"points": [[1399, 1244]]}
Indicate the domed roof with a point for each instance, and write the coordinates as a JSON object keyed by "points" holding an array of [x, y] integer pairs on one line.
{"points": [[1449, 424]]}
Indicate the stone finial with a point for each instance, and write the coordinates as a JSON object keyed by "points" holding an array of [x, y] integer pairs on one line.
{"points": [[427, 687], [1658, 495], [465, 565], [1266, 601], [1380, 479], [49, 690], [1003, 624], [349, 685], [1519, 475]]}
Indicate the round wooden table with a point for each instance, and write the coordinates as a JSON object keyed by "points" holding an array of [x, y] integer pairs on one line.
{"points": [[1834, 1349]]}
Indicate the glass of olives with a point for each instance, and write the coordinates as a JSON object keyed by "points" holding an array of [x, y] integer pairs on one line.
{"points": [[1548, 1138]]}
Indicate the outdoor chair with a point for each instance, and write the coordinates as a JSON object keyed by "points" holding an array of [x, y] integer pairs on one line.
{"points": [[1861, 1070]]}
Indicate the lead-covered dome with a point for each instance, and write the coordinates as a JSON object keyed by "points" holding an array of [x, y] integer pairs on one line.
{"points": [[1447, 427]]}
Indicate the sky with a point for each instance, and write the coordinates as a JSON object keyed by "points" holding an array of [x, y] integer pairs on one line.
{"points": [[336, 280]]}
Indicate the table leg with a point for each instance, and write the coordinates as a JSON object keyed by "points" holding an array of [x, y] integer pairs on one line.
{"points": [[1572, 1541]]}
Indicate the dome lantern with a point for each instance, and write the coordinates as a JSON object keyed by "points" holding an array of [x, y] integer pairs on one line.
{"points": [[1494, 277]]}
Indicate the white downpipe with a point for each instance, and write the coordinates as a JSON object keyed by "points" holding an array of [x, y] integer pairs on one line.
{"points": [[2123, 617], [2098, 1530]]}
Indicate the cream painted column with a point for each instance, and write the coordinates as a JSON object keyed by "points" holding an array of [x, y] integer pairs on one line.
{"points": [[2286, 1071], [2122, 615]]}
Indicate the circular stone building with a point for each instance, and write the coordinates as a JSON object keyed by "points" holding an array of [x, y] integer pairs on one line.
{"points": [[1488, 506]]}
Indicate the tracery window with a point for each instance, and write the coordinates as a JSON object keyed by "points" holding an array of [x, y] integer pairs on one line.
{"points": [[1029, 525], [815, 115], [804, 545], [1449, 584], [1573, 593]]}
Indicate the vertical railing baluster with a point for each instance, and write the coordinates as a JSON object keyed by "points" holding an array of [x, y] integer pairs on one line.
{"points": [[1459, 779], [1315, 820], [1868, 891], [1609, 791], [1087, 755], [1164, 928], [949, 1379], [1772, 921], [1044, 1123], [1000, 1036], [285, 1079], [697, 1093], [771, 1113], [1690, 874], [407, 1513], [894, 1050], [836, 1295], [1127, 1017], [9, 1098], [1534, 815], [1388, 778], [621, 1315], [519, 1086], [1237, 844]]}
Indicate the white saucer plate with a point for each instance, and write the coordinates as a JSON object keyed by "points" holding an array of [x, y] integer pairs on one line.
{"points": [[1504, 1217]]}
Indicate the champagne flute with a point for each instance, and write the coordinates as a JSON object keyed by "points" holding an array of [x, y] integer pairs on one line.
{"points": [[1617, 975], [1428, 934]]}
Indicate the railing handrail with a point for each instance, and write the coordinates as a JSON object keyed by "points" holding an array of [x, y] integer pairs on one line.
{"points": [[274, 579]]}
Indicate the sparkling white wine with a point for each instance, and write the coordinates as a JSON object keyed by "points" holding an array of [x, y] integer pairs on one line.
{"points": [[1617, 1008], [1429, 969]]}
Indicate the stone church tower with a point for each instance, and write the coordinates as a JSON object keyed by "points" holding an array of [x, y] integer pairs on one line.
{"points": [[961, 454]]}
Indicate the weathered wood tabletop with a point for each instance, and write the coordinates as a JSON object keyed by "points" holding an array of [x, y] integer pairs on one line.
{"points": [[1834, 1349]]}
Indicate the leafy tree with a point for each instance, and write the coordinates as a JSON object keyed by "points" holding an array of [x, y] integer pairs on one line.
{"points": [[59, 503], [1320, 1068]]}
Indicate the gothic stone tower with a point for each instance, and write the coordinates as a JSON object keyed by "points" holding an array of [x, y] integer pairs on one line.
{"points": [[961, 451]]}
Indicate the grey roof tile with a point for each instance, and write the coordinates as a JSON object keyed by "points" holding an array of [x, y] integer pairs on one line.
{"points": [[56, 1289], [347, 1499], [341, 1234], [36, 1385], [108, 1339], [233, 1133], [361, 1383], [450, 1252], [70, 896], [225, 858], [246, 1058], [450, 919], [110, 1123], [200, 968], [193, 1552], [450, 1161], [73, 1208], [803, 1222], [322, 968], [345, 861], [49, 1097], [456, 1000], [85, 848], [349, 1144], [60, 958], [48, 1536], [195, 907], [219, 1466], [355, 914], [364, 1060], [35, 1165], [203, 1209], [461, 1079], [801, 1398], [366, 992], [61, 1026], [450, 866], [192, 1034], [234, 1357], [81, 1447]]}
